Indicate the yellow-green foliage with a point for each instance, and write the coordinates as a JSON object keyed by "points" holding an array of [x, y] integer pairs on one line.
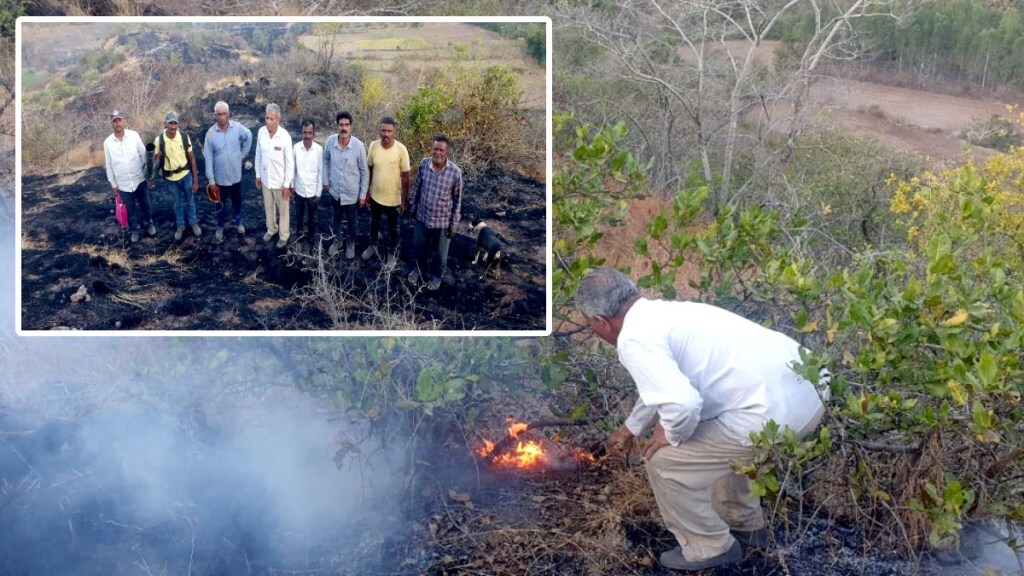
{"points": [[967, 201], [479, 109]]}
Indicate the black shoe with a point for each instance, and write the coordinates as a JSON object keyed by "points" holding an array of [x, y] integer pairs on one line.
{"points": [[752, 538], [675, 560]]}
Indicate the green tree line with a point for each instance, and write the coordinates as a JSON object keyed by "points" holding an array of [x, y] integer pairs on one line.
{"points": [[963, 41]]}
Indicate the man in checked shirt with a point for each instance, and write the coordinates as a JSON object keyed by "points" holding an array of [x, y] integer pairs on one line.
{"points": [[435, 203]]}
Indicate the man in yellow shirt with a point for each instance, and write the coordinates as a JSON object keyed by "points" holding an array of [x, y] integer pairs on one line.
{"points": [[388, 161], [174, 155]]}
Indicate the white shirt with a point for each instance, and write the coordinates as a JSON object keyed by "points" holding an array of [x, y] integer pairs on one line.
{"points": [[125, 160], [693, 362], [275, 158], [309, 169]]}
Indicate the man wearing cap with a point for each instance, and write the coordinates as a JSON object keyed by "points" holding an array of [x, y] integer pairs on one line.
{"points": [[125, 156], [225, 147], [174, 153], [275, 174]]}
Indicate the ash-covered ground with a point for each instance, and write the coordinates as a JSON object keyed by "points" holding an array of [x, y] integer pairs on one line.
{"points": [[70, 239]]}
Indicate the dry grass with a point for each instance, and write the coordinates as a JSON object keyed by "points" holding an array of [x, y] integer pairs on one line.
{"points": [[28, 244], [112, 255], [574, 526], [386, 303]]}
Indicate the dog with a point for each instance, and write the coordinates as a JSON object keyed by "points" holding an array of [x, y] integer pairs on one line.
{"points": [[488, 247]]}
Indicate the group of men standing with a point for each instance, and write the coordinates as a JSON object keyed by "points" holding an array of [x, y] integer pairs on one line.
{"points": [[355, 176]]}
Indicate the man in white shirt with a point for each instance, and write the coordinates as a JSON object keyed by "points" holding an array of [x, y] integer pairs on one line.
{"points": [[275, 173], [708, 378], [125, 156], [309, 180]]}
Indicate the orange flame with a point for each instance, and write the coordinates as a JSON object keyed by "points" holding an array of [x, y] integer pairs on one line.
{"points": [[529, 454], [516, 428], [485, 449]]}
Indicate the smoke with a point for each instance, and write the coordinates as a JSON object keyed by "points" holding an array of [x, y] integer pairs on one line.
{"points": [[112, 463]]}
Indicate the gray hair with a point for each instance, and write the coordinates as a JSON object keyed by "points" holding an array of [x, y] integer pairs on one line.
{"points": [[222, 104], [274, 108], [603, 292]]}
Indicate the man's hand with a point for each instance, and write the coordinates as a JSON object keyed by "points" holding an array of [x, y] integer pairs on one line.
{"points": [[316, 199], [402, 207], [451, 230], [620, 442], [259, 183], [363, 202], [195, 184], [286, 192], [657, 442]]}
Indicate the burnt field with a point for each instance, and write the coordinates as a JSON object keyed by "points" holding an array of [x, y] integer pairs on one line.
{"points": [[70, 239]]}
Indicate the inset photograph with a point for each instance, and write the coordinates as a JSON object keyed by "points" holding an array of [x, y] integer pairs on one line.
{"points": [[228, 176]]}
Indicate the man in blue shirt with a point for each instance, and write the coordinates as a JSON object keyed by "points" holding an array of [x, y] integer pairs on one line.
{"points": [[435, 203], [346, 177], [226, 146]]}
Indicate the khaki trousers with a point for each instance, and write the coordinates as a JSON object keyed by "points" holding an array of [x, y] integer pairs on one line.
{"points": [[275, 203], [698, 495]]}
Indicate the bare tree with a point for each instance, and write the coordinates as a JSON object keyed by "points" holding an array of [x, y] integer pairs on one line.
{"points": [[698, 61]]}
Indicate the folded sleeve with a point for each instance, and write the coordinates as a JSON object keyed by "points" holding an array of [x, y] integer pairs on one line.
{"points": [[663, 387]]}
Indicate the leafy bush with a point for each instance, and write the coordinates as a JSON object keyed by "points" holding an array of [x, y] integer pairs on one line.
{"points": [[588, 196], [437, 382], [924, 344], [479, 109]]}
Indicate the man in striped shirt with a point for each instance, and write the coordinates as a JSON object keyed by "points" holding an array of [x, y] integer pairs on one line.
{"points": [[435, 204]]}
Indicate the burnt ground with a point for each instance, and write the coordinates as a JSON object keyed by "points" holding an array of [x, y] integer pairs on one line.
{"points": [[599, 518], [70, 239]]}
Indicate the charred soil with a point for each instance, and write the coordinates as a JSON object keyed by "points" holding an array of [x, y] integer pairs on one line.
{"points": [[70, 239]]}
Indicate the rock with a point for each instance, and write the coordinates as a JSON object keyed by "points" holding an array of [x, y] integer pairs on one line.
{"points": [[82, 294]]}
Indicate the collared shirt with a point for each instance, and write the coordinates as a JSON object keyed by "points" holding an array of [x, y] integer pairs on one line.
{"points": [[437, 194], [125, 160], [275, 160], [346, 170], [224, 151], [693, 362], [387, 164], [176, 157], [309, 181]]}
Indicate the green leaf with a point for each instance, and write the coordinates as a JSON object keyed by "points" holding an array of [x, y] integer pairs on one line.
{"points": [[987, 368]]}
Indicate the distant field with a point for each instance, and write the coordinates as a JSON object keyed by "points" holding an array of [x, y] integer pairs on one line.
{"points": [[393, 43], [30, 79], [431, 46]]}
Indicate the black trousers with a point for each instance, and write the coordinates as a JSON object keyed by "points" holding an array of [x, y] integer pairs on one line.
{"points": [[350, 212], [301, 206], [376, 210]]}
